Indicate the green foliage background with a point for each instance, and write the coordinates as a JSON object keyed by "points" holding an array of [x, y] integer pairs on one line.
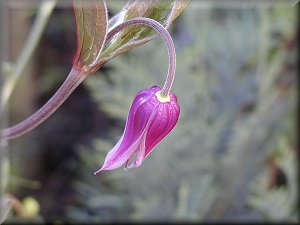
{"points": [[238, 105], [233, 154]]}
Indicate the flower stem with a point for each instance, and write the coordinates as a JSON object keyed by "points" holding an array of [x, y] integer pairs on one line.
{"points": [[75, 77], [168, 40]]}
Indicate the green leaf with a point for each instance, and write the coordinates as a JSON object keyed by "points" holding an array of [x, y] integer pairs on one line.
{"points": [[165, 12], [91, 23]]}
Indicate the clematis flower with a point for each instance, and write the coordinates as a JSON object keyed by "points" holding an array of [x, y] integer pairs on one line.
{"points": [[150, 119]]}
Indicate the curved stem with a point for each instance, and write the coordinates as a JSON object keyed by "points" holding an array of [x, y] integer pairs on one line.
{"points": [[167, 38], [75, 77]]}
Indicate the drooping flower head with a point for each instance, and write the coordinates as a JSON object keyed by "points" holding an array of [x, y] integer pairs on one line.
{"points": [[153, 114], [150, 119]]}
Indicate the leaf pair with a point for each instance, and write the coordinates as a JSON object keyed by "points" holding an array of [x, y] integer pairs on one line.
{"points": [[94, 44]]}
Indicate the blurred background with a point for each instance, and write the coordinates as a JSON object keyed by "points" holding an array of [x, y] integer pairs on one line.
{"points": [[231, 157]]}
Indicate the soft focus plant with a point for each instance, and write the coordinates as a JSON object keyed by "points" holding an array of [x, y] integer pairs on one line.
{"points": [[234, 95], [100, 39]]}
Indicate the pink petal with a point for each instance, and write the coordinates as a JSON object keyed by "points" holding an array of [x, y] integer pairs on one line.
{"points": [[164, 122], [121, 154], [149, 121], [140, 152]]}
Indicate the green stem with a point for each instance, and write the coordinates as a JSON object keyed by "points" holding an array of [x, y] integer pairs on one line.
{"points": [[168, 40]]}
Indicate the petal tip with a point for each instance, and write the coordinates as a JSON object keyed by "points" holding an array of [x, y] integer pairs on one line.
{"points": [[98, 171]]}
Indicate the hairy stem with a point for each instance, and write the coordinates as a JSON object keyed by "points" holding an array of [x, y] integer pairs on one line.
{"points": [[75, 77], [168, 40]]}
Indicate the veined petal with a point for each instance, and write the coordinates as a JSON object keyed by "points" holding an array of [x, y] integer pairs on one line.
{"points": [[138, 117], [139, 153], [163, 123], [149, 121], [121, 153]]}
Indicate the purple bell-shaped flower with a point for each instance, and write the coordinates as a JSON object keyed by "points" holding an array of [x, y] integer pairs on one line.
{"points": [[150, 119]]}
